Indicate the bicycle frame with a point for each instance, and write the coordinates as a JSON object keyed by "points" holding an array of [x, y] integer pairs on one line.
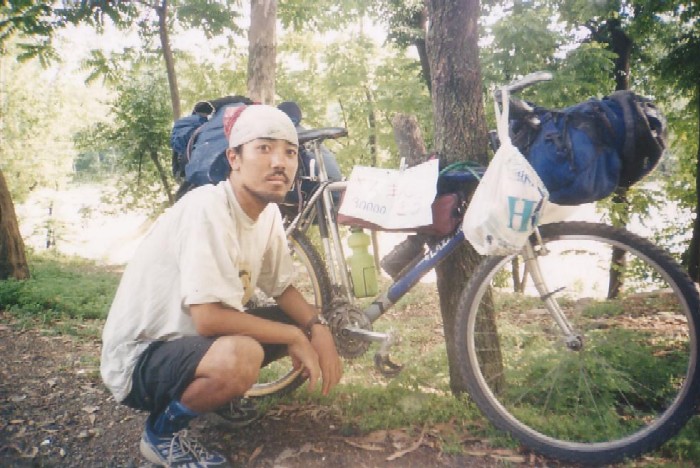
{"points": [[321, 207]]}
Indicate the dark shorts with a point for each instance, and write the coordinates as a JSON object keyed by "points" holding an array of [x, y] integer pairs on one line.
{"points": [[167, 368]]}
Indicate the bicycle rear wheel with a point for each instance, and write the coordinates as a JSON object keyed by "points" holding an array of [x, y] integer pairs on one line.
{"points": [[629, 384], [311, 279]]}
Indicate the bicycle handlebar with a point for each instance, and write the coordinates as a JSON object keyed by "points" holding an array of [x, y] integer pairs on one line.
{"points": [[526, 81], [520, 107]]}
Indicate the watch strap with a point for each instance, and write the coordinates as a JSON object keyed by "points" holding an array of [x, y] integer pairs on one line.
{"points": [[316, 319]]}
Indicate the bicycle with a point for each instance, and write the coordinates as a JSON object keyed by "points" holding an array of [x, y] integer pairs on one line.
{"points": [[545, 354]]}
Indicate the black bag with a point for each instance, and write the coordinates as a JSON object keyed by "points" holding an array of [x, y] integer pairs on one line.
{"points": [[583, 152]]}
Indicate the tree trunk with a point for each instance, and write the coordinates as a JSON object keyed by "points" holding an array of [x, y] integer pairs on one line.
{"points": [[162, 11], [13, 260], [262, 52], [163, 177], [460, 133], [422, 50], [693, 253], [621, 44], [372, 127], [408, 139]]}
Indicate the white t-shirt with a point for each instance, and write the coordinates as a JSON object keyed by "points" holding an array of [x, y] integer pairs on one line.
{"points": [[204, 249]]}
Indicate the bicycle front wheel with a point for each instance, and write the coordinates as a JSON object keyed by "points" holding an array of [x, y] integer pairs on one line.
{"points": [[621, 384]]}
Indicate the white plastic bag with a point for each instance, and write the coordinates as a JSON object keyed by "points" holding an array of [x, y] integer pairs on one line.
{"points": [[392, 198], [509, 200]]}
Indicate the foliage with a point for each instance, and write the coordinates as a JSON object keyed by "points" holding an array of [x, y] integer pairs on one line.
{"points": [[212, 18], [347, 80], [403, 19], [523, 42], [36, 23], [204, 79], [139, 131], [320, 15], [60, 288], [40, 109]]}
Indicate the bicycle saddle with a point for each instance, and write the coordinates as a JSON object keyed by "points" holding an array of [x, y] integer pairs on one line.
{"points": [[321, 134]]}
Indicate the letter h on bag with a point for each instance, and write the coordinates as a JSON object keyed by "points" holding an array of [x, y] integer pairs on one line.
{"points": [[526, 208]]}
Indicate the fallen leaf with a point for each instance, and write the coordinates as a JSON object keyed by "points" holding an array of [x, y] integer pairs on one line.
{"points": [[375, 437], [33, 453], [410, 449], [368, 447], [290, 453], [476, 453], [255, 454], [511, 459], [18, 398], [7, 448]]}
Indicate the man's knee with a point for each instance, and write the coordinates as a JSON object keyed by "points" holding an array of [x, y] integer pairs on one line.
{"points": [[237, 359]]}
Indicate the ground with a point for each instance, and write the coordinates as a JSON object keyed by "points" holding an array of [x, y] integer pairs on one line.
{"points": [[54, 411]]}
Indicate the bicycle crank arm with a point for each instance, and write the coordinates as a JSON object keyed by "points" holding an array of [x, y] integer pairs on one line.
{"points": [[382, 361]]}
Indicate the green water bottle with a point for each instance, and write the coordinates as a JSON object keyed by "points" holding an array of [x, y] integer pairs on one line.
{"points": [[362, 269]]}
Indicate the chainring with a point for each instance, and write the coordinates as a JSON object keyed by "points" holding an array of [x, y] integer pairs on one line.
{"points": [[341, 314]]}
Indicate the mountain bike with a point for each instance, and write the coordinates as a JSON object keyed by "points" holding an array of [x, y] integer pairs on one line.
{"points": [[547, 350]]}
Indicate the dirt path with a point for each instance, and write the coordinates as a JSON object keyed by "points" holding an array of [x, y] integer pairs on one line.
{"points": [[54, 411]]}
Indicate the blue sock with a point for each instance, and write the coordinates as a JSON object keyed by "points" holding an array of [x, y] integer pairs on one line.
{"points": [[174, 418]]}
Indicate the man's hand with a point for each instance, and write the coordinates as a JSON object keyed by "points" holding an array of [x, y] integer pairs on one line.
{"points": [[305, 357], [331, 366], [295, 306]]}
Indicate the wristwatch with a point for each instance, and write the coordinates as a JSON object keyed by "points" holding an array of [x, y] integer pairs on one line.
{"points": [[317, 319]]}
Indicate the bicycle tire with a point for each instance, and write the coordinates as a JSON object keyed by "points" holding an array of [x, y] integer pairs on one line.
{"points": [[633, 384], [316, 287]]}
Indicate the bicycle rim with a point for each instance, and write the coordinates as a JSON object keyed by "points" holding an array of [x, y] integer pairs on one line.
{"points": [[279, 377], [632, 384]]}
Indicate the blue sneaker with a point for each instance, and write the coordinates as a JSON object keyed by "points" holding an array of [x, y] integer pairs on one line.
{"points": [[178, 450]]}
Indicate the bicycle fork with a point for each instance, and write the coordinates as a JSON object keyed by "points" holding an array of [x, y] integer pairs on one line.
{"points": [[532, 266]]}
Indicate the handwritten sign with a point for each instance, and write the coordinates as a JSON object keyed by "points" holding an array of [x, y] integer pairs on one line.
{"points": [[391, 198]]}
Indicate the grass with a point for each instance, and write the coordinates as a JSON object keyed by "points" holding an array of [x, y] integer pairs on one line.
{"points": [[72, 296], [62, 291]]}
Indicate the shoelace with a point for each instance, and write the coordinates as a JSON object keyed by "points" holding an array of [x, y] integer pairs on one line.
{"points": [[181, 445]]}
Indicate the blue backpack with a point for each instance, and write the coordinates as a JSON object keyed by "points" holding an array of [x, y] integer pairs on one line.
{"points": [[584, 152], [199, 150], [199, 144]]}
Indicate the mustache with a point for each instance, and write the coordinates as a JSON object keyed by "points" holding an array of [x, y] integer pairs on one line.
{"points": [[280, 173]]}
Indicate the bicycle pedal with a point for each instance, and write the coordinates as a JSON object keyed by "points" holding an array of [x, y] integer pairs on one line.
{"points": [[386, 366]]}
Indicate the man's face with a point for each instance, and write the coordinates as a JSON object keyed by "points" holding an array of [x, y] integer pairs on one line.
{"points": [[265, 168]]}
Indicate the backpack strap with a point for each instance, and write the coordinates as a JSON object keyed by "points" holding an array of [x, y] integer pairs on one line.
{"points": [[629, 116], [190, 144]]}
